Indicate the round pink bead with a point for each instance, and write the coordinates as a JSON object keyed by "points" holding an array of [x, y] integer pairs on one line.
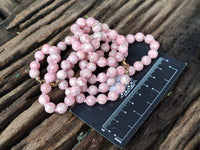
{"points": [[61, 75], [54, 50], [102, 77], [86, 29], [105, 47], [112, 53], [45, 49], [70, 73], [81, 55], [121, 70], [148, 38], [91, 66], [130, 38], [86, 47], [69, 100], [68, 40], [86, 73], [63, 84], [80, 98], [83, 64], [139, 37], [62, 46], [112, 34], [125, 79], [85, 38], [138, 65], [92, 79], [103, 87], [50, 107], [100, 53], [131, 70], [154, 45], [102, 99], [105, 27], [111, 81], [153, 54], [39, 55], [73, 58], [67, 91], [45, 88], [84, 88], [111, 61], [120, 39], [81, 81], [96, 27], [123, 48], [92, 90], [76, 46], [93, 57], [96, 43], [43, 99], [66, 64], [81, 22], [146, 60], [97, 36], [102, 62], [34, 65], [113, 95], [74, 27], [90, 21], [50, 77], [53, 58], [33, 73], [73, 81], [114, 46], [61, 108], [90, 100], [119, 56], [111, 72], [52, 68], [75, 90], [120, 88], [74, 39]]}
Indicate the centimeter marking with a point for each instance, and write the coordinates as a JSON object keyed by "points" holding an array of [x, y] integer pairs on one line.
{"points": [[129, 97]]}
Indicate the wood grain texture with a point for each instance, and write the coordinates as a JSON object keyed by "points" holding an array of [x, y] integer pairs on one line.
{"points": [[175, 123]]}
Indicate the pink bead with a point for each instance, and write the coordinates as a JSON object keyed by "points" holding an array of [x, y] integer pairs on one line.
{"points": [[86, 73], [73, 58], [44, 99], [93, 57], [153, 53], [100, 53], [113, 95], [76, 46], [70, 73], [86, 29], [73, 81], [112, 53], [148, 38], [131, 70], [96, 27], [84, 88], [139, 37], [114, 46], [154, 45], [130, 38], [111, 72], [102, 62], [125, 79], [111, 61], [103, 87], [92, 90], [123, 48], [112, 34], [90, 21], [92, 79], [45, 49], [104, 36], [81, 81], [102, 77], [61, 75], [91, 66], [50, 107], [68, 40], [120, 88], [90, 100], [75, 90], [97, 36], [86, 47], [146, 60], [85, 38], [74, 27], [67, 91], [61, 108], [53, 58], [39, 55], [63, 84], [33, 73], [83, 64], [80, 98], [102, 99], [34, 65], [120, 39], [78, 33], [49, 77], [45, 88], [111, 81], [96, 43], [81, 22], [69, 100], [74, 39], [54, 50], [52, 68], [105, 47], [105, 27], [66, 64], [119, 56], [81, 55], [121, 70], [138, 65]]}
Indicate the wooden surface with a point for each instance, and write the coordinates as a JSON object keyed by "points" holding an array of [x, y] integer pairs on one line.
{"points": [[174, 125]]}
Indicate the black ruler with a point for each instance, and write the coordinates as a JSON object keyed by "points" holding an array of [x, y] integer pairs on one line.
{"points": [[118, 121]]}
